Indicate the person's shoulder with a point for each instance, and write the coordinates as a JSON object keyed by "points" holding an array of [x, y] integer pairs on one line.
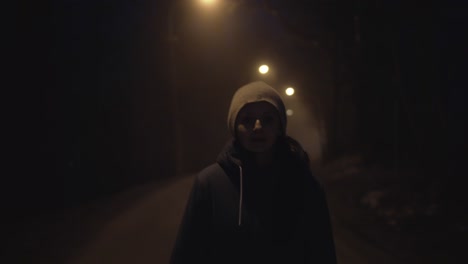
{"points": [[210, 172], [312, 180]]}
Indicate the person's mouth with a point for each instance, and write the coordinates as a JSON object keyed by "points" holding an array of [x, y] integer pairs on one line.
{"points": [[258, 139]]}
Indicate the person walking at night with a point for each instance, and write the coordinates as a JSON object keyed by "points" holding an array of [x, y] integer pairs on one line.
{"points": [[259, 203]]}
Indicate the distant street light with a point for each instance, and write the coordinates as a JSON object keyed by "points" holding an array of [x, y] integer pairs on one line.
{"points": [[263, 69], [290, 91]]}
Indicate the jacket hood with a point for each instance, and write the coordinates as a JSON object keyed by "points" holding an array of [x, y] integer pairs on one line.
{"points": [[255, 92]]}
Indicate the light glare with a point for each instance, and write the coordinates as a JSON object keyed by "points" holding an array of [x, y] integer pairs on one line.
{"points": [[289, 112], [263, 69], [290, 91], [207, 2]]}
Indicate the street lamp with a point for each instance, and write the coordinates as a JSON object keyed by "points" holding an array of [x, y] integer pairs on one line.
{"points": [[263, 69], [207, 2], [289, 91], [173, 78]]}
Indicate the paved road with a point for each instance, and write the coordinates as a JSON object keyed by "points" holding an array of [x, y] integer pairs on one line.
{"points": [[138, 226]]}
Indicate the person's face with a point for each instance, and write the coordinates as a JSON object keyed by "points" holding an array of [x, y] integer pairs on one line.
{"points": [[258, 126]]}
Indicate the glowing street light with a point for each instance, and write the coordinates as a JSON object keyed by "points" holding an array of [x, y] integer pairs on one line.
{"points": [[175, 7], [263, 69], [207, 2], [289, 91]]}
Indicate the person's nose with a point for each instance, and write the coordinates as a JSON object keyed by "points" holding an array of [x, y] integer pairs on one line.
{"points": [[257, 125]]}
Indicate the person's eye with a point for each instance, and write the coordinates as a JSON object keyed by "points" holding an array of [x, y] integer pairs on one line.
{"points": [[268, 119], [247, 120]]}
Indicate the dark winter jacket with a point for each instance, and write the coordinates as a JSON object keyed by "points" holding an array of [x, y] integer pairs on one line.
{"points": [[238, 214]]}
